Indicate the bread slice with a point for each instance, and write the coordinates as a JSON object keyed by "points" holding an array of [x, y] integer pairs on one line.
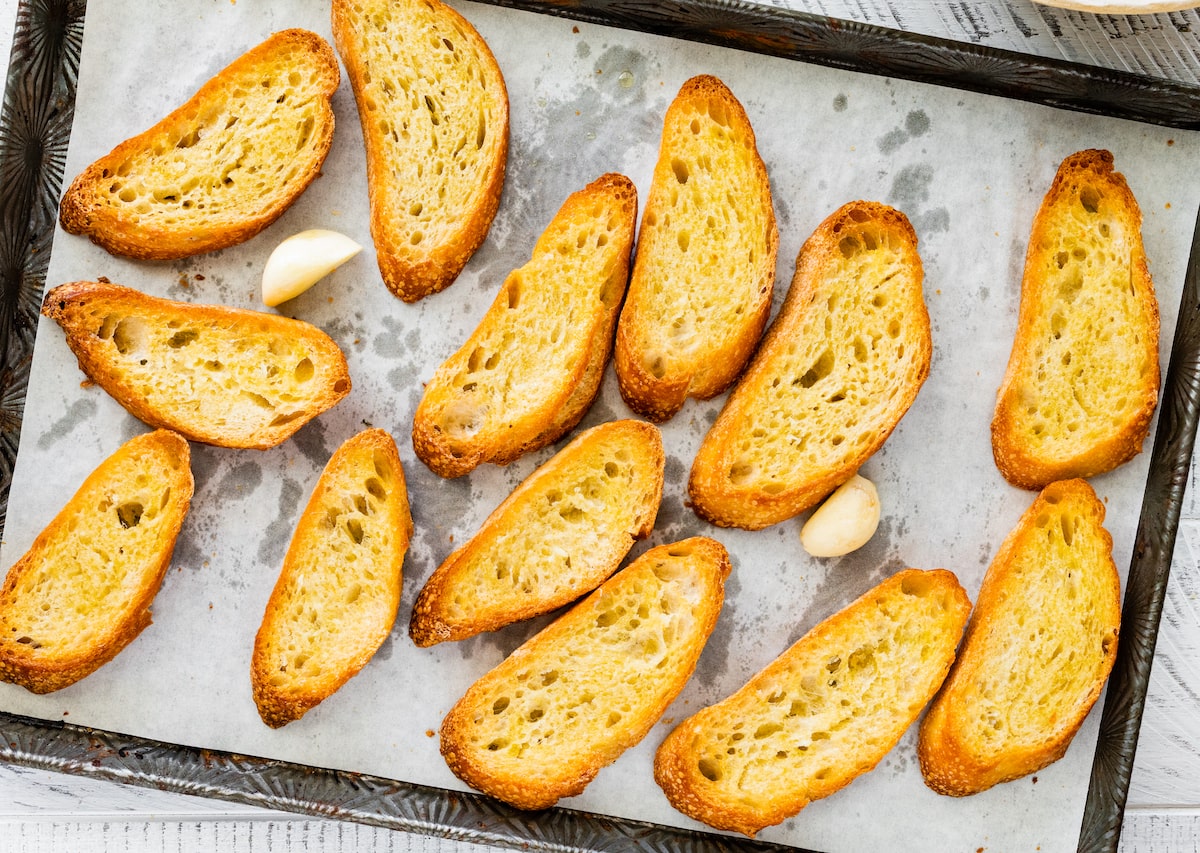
{"points": [[216, 375], [1040, 646], [559, 535], [568, 702], [532, 367], [336, 598], [82, 592], [223, 166], [836, 372], [705, 268], [824, 712], [1082, 379], [434, 114]]}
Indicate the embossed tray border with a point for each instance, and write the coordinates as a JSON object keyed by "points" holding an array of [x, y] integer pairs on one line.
{"points": [[35, 127]]}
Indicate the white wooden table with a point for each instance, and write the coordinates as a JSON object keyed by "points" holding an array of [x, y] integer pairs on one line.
{"points": [[43, 811]]}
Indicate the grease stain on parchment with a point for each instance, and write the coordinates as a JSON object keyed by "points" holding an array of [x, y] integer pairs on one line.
{"points": [[310, 439], [240, 480], [76, 414], [910, 193], [279, 532]]}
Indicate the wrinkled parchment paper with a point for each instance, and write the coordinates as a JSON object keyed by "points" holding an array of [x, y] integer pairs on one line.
{"points": [[968, 170]]}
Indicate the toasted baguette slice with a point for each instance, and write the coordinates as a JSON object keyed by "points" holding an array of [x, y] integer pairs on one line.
{"points": [[705, 268], [1082, 379], [568, 702], [1040, 645], [836, 372], [82, 592], [336, 598], [434, 115], [223, 166], [217, 375], [532, 367], [823, 713], [557, 536]]}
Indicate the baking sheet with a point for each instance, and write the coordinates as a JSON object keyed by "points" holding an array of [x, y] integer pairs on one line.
{"points": [[969, 171]]}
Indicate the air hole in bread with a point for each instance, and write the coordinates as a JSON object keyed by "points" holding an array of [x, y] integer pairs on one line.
{"points": [[416, 238], [741, 473], [130, 514], [680, 169], [849, 247], [820, 369], [709, 769], [917, 584], [129, 335], [656, 365], [376, 490], [1089, 197], [304, 370], [282, 419], [685, 240], [355, 530]]}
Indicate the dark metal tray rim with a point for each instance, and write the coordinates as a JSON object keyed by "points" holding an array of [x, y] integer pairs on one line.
{"points": [[34, 132]]}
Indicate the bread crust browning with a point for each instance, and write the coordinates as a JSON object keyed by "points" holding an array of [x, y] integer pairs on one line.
{"points": [[569, 701], [423, 252], [1040, 616], [91, 207], [343, 570], [817, 401], [1079, 392], [204, 371], [83, 590], [788, 737], [531, 369], [705, 267], [495, 579]]}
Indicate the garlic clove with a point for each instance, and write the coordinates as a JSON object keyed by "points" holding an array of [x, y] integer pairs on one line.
{"points": [[301, 261], [845, 522]]}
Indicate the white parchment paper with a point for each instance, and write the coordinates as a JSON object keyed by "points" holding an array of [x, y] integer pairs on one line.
{"points": [[969, 171]]}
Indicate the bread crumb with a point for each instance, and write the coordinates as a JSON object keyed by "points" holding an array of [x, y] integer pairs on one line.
{"points": [[429, 733], [575, 29]]}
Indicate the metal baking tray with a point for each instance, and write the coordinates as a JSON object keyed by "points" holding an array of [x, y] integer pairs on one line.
{"points": [[36, 125]]}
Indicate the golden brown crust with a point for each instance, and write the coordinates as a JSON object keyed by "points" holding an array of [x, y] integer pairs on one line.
{"points": [[569, 701], [1080, 389], [761, 462], [83, 590], [705, 268], [414, 260], [222, 376], [791, 735], [557, 536], [1040, 645], [91, 207], [531, 369], [343, 569]]}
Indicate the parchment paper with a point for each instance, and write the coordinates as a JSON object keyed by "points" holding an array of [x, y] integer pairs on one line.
{"points": [[969, 171]]}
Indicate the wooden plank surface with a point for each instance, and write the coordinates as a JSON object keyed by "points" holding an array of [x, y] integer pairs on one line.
{"points": [[43, 811]]}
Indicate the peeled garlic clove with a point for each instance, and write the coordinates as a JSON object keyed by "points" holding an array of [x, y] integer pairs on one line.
{"points": [[845, 522], [301, 261]]}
